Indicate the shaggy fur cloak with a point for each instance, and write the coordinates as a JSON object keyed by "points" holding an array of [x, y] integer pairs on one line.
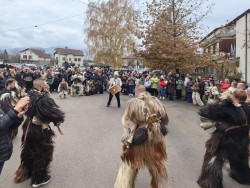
{"points": [[229, 142], [37, 141]]}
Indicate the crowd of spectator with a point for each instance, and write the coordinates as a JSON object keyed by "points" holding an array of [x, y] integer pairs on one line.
{"points": [[171, 86], [196, 90], [52, 75]]}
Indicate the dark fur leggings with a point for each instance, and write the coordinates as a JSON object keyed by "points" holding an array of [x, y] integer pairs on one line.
{"points": [[231, 146]]}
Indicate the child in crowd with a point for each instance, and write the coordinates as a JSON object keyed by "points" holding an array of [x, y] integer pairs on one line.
{"points": [[163, 85]]}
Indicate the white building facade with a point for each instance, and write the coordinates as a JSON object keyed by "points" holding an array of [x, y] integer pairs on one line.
{"points": [[232, 41], [69, 55], [242, 25], [34, 56]]}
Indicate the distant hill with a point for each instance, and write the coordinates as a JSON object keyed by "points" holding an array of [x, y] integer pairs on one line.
{"points": [[49, 50], [13, 51]]}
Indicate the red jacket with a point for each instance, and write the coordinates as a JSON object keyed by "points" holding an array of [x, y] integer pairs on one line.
{"points": [[224, 86], [163, 84]]}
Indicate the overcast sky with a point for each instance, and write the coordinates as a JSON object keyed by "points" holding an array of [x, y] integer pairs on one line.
{"points": [[16, 14]]}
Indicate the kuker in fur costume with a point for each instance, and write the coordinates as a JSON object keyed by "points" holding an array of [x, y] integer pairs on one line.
{"points": [[144, 122], [63, 89], [37, 138], [77, 86], [229, 142]]}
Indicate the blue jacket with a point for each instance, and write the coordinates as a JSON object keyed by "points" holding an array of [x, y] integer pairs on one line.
{"points": [[7, 122]]}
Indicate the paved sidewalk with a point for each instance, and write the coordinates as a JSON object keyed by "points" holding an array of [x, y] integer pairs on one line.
{"points": [[87, 155]]}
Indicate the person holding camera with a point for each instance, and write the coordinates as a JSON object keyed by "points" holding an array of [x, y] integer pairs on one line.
{"points": [[8, 122]]}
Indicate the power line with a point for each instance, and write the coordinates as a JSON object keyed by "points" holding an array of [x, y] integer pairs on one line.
{"points": [[42, 24], [53, 21], [61, 19]]}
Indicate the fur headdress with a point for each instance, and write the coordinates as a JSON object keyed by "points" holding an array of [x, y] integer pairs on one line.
{"points": [[8, 101], [5, 102], [143, 110], [44, 108], [227, 112]]}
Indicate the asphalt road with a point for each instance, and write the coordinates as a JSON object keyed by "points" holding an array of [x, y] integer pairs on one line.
{"points": [[87, 155]]}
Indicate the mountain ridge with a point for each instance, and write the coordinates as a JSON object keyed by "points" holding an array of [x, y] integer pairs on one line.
{"points": [[49, 50]]}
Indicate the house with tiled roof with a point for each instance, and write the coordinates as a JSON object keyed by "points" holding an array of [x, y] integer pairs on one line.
{"points": [[229, 42], [34, 56], [69, 55]]}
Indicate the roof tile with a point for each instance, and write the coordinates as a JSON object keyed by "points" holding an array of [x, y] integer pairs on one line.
{"points": [[66, 51]]}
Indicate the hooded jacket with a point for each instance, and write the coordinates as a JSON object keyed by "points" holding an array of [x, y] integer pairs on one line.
{"points": [[7, 122]]}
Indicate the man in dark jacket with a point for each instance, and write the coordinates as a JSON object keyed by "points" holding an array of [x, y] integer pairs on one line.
{"points": [[28, 77], [2, 81], [7, 122]]}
